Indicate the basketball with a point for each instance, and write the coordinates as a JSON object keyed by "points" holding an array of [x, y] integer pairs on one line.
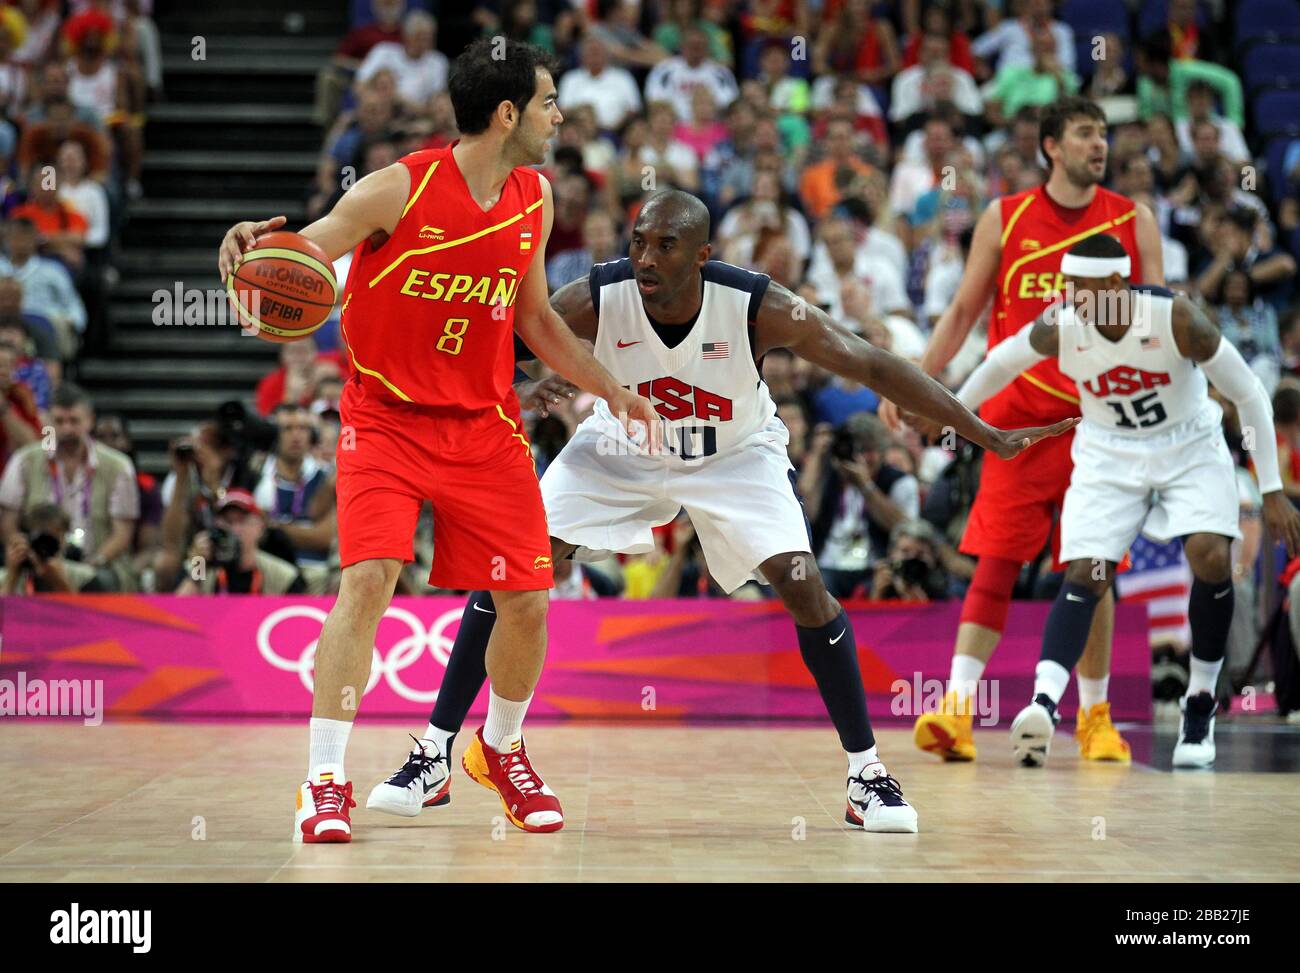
{"points": [[284, 288]]}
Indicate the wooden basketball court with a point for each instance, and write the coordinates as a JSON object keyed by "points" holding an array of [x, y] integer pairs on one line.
{"points": [[212, 802]]}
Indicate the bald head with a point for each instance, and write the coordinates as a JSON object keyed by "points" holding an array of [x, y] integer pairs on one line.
{"points": [[674, 213], [670, 243]]}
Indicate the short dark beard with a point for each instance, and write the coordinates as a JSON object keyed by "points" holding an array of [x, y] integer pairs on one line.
{"points": [[1083, 178]]}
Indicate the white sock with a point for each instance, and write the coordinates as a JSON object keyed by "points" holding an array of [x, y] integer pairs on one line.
{"points": [[964, 677], [1204, 677], [439, 737], [1091, 691], [329, 740], [1051, 679], [505, 722], [859, 760]]}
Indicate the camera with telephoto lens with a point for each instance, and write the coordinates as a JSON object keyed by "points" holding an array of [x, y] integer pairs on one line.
{"points": [[911, 570], [43, 545], [243, 432], [225, 546], [845, 445]]}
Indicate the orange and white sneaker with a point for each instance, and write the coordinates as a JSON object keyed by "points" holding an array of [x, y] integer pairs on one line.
{"points": [[1098, 738], [324, 800], [948, 732], [529, 803]]}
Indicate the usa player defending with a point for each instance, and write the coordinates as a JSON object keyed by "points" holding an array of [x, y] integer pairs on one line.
{"points": [[690, 333], [1150, 448]]}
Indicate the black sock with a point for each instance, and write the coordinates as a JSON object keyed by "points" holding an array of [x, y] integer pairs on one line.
{"points": [[1066, 631], [467, 667], [831, 655], [1209, 612]]}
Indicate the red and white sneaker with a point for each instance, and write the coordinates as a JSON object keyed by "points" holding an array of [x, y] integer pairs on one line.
{"points": [[528, 802], [324, 800]]}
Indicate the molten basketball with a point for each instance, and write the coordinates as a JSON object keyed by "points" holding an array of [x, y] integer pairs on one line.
{"points": [[282, 289]]}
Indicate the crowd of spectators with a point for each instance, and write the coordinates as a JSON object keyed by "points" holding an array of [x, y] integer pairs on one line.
{"points": [[75, 79], [74, 82]]}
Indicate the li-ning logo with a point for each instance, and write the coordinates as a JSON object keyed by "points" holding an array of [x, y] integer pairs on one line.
{"points": [[75, 927], [1030, 244], [541, 561], [431, 233]]}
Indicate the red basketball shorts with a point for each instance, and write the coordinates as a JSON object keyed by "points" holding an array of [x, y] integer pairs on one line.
{"points": [[474, 466], [1019, 499]]}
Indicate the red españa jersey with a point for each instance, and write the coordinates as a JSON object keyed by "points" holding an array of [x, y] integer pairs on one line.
{"points": [[429, 316], [1036, 233]]}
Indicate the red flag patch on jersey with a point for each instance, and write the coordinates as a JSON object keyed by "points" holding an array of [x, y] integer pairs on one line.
{"points": [[715, 349], [525, 240]]}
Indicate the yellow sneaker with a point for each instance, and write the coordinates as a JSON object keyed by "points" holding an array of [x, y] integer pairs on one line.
{"points": [[1098, 738], [947, 732]]}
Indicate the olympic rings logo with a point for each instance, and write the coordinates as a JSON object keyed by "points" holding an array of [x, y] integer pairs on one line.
{"points": [[401, 655]]}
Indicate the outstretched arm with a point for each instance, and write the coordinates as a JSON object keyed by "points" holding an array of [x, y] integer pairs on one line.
{"points": [[1200, 341], [786, 321], [1024, 349]]}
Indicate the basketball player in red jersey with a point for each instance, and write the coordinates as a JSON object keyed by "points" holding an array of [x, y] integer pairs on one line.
{"points": [[1015, 259], [450, 251]]}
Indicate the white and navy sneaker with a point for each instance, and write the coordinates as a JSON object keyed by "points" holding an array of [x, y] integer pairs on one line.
{"points": [[1195, 747], [424, 781], [1032, 729], [875, 803]]}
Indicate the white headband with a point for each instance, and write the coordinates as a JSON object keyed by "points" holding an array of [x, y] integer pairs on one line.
{"points": [[1073, 265]]}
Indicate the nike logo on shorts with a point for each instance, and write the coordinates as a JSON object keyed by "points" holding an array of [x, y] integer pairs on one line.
{"points": [[483, 610], [840, 636], [1070, 597]]}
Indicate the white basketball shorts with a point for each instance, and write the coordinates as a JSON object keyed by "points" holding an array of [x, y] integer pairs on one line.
{"points": [[742, 502], [1165, 485]]}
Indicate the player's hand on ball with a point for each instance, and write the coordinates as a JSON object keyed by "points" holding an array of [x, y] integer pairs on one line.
{"points": [[539, 396], [242, 237], [631, 409], [1007, 443], [1283, 520]]}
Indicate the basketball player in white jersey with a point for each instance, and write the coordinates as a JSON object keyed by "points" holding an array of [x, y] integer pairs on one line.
{"points": [[690, 332], [1150, 450]]}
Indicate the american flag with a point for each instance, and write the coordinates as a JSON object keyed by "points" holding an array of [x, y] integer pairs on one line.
{"points": [[715, 349], [1161, 578], [1152, 342]]}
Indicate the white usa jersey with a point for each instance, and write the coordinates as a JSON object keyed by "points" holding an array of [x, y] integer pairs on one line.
{"points": [[707, 387], [1139, 385]]}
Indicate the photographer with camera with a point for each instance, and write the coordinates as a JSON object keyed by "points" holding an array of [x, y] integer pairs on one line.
{"points": [[912, 570], [296, 492], [853, 500], [226, 558], [91, 482], [220, 454], [34, 561]]}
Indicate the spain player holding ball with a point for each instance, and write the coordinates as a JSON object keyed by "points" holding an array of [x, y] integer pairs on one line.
{"points": [[450, 252], [1015, 260]]}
